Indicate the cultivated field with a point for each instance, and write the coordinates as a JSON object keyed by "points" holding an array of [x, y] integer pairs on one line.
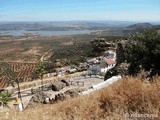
{"points": [[23, 71], [30, 49]]}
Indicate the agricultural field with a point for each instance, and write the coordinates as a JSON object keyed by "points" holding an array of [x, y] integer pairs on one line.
{"points": [[23, 71], [30, 49], [22, 53]]}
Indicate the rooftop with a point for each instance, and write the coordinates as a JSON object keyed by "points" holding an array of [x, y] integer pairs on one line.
{"points": [[110, 61]]}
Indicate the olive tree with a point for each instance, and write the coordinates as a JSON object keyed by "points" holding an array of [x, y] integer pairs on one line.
{"points": [[143, 52], [40, 71]]}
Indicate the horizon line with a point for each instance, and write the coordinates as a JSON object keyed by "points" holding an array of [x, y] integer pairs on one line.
{"points": [[77, 20]]}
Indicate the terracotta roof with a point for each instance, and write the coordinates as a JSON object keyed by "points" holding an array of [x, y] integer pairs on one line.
{"points": [[110, 61], [66, 67]]}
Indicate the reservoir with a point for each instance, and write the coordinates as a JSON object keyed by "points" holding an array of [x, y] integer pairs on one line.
{"points": [[46, 33]]}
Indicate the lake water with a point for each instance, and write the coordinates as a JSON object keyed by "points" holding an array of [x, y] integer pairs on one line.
{"points": [[45, 33]]}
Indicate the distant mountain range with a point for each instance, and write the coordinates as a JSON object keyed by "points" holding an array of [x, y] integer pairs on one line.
{"points": [[110, 27], [141, 25], [144, 26], [62, 25]]}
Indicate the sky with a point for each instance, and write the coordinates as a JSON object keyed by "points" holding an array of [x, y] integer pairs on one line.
{"points": [[64, 10]]}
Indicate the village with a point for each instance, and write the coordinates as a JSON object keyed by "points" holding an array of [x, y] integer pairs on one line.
{"points": [[99, 65]]}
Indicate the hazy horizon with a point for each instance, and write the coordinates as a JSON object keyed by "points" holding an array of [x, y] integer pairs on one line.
{"points": [[123, 21]]}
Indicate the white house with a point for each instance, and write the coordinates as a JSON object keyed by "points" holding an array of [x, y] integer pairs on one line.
{"points": [[110, 63]]}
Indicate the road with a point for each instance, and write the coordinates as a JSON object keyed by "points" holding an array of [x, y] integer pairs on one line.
{"points": [[42, 58]]}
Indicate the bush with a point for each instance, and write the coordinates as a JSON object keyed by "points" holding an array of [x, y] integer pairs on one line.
{"points": [[143, 52]]}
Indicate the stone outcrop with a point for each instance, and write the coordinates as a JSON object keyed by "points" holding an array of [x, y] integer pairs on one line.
{"points": [[60, 97], [39, 98], [58, 86], [64, 81], [101, 44], [74, 92]]}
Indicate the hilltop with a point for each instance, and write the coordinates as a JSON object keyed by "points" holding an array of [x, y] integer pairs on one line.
{"points": [[141, 25], [131, 95], [121, 100]]}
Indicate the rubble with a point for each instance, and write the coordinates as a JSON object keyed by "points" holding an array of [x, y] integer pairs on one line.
{"points": [[58, 86], [74, 92], [39, 97], [60, 97], [64, 81]]}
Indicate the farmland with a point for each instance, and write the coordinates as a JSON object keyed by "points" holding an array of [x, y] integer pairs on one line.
{"points": [[23, 72]]}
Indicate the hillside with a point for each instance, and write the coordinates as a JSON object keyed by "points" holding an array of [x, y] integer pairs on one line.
{"points": [[141, 25], [130, 95], [72, 54], [31, 48]]}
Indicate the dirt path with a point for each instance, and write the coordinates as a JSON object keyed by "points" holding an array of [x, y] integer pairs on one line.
{"points": [[44, 55]]}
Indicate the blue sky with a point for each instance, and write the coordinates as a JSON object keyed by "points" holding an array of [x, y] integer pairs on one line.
{"points": [[55, 10]]}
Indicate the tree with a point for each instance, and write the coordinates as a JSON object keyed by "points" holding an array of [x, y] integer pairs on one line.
{"points": [[100, 45], [5, 98], [40, 71], [7, 70], [120, 54], [143, 52]]}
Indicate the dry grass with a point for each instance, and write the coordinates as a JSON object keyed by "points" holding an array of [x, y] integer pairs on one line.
{"points": [[130, 95]]}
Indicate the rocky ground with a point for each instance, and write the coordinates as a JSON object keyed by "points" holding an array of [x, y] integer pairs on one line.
{"points": [[58, 91]]}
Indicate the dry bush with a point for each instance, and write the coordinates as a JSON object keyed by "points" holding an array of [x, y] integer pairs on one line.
{"points": [[129, 95]]}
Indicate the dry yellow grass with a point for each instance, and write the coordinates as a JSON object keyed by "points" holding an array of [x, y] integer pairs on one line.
{"points": [[129, 95]]}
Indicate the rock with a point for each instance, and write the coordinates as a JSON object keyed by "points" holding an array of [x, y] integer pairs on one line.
{"points": [[51, 100], [74, 92], [47, 100], [60, 97], [39, 98], [58, 86], [64, 81]]}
